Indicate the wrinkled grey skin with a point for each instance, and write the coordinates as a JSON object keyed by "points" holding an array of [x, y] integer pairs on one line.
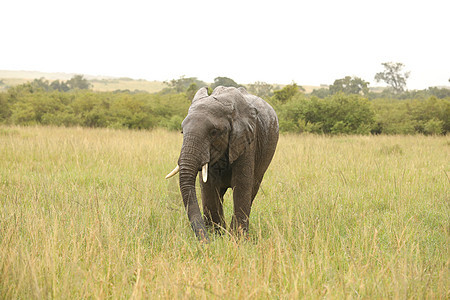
{"points": [[236, 133]]}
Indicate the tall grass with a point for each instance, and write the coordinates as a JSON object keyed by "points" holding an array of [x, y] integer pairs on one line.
{"points": [[86, 213]]}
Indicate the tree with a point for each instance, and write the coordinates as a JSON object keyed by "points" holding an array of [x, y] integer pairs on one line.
{"points": [[224, 81], [393, 76], [321, 93], [40, 84], [261, 89], [191, 90], [182, 84], [286, 93], [350, 85], [59, 86], [77, 82]]}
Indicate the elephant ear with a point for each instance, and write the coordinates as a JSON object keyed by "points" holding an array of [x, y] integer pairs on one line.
{"points": [[243, 128], [201, 93]]}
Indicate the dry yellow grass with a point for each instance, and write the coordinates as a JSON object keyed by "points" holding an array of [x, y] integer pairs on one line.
{"points": [[86, 213], [132, 85], [106, 85]]}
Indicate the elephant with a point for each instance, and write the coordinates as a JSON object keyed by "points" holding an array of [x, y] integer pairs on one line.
{"points": [[229, 137]]}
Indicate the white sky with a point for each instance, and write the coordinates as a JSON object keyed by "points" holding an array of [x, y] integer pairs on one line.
{"points": [[309, 42]]}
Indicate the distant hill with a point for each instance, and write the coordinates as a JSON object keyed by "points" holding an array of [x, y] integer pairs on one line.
{"points": [[49, 76], [109, 85], [99, 83], [27, 75]]}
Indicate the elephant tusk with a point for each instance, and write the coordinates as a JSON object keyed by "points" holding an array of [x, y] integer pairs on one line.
{"points": [[175, 171], [205, 172]]}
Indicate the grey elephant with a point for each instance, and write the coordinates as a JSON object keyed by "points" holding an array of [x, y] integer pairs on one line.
{"points": [[230, 137]]}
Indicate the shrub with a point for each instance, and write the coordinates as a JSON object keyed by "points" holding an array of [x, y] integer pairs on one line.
{"points": [[433, 126], [337, 114], [174, 123]]}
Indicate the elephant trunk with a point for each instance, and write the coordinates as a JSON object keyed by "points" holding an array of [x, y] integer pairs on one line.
{"points": [[191, 160]]}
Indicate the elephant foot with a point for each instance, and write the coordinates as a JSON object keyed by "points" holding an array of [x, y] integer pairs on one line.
{"points": [[239, 228], [216, 227]]}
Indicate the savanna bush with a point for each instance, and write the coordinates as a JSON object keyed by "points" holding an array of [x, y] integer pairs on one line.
{"points": [[174, 123], [433, 126], [22, 106], [411, 116], [336, 114]]}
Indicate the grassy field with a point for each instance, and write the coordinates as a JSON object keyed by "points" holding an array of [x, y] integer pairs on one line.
{"points": [[110, 85], [87, 213], [101, 85]]}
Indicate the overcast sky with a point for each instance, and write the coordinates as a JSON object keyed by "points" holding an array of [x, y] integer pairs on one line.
{"points": [[309, 42]]}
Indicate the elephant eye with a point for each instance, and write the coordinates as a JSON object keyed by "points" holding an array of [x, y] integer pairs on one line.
{"points": [[214, 132]]}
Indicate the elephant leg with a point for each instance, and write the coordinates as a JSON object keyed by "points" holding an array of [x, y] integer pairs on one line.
{"points": [[212, 198], [255, 190], [242, 182], [242, 208]]}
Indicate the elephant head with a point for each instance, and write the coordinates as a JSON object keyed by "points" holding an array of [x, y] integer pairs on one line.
{"points": [[217, 126]]}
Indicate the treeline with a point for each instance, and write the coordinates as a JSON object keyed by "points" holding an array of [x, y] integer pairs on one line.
{"points": [[342, 113], [21, 105], [346, 107], [77, 82]]}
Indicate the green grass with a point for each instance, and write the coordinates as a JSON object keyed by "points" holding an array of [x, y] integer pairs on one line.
{"points": [[87, 213]]}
